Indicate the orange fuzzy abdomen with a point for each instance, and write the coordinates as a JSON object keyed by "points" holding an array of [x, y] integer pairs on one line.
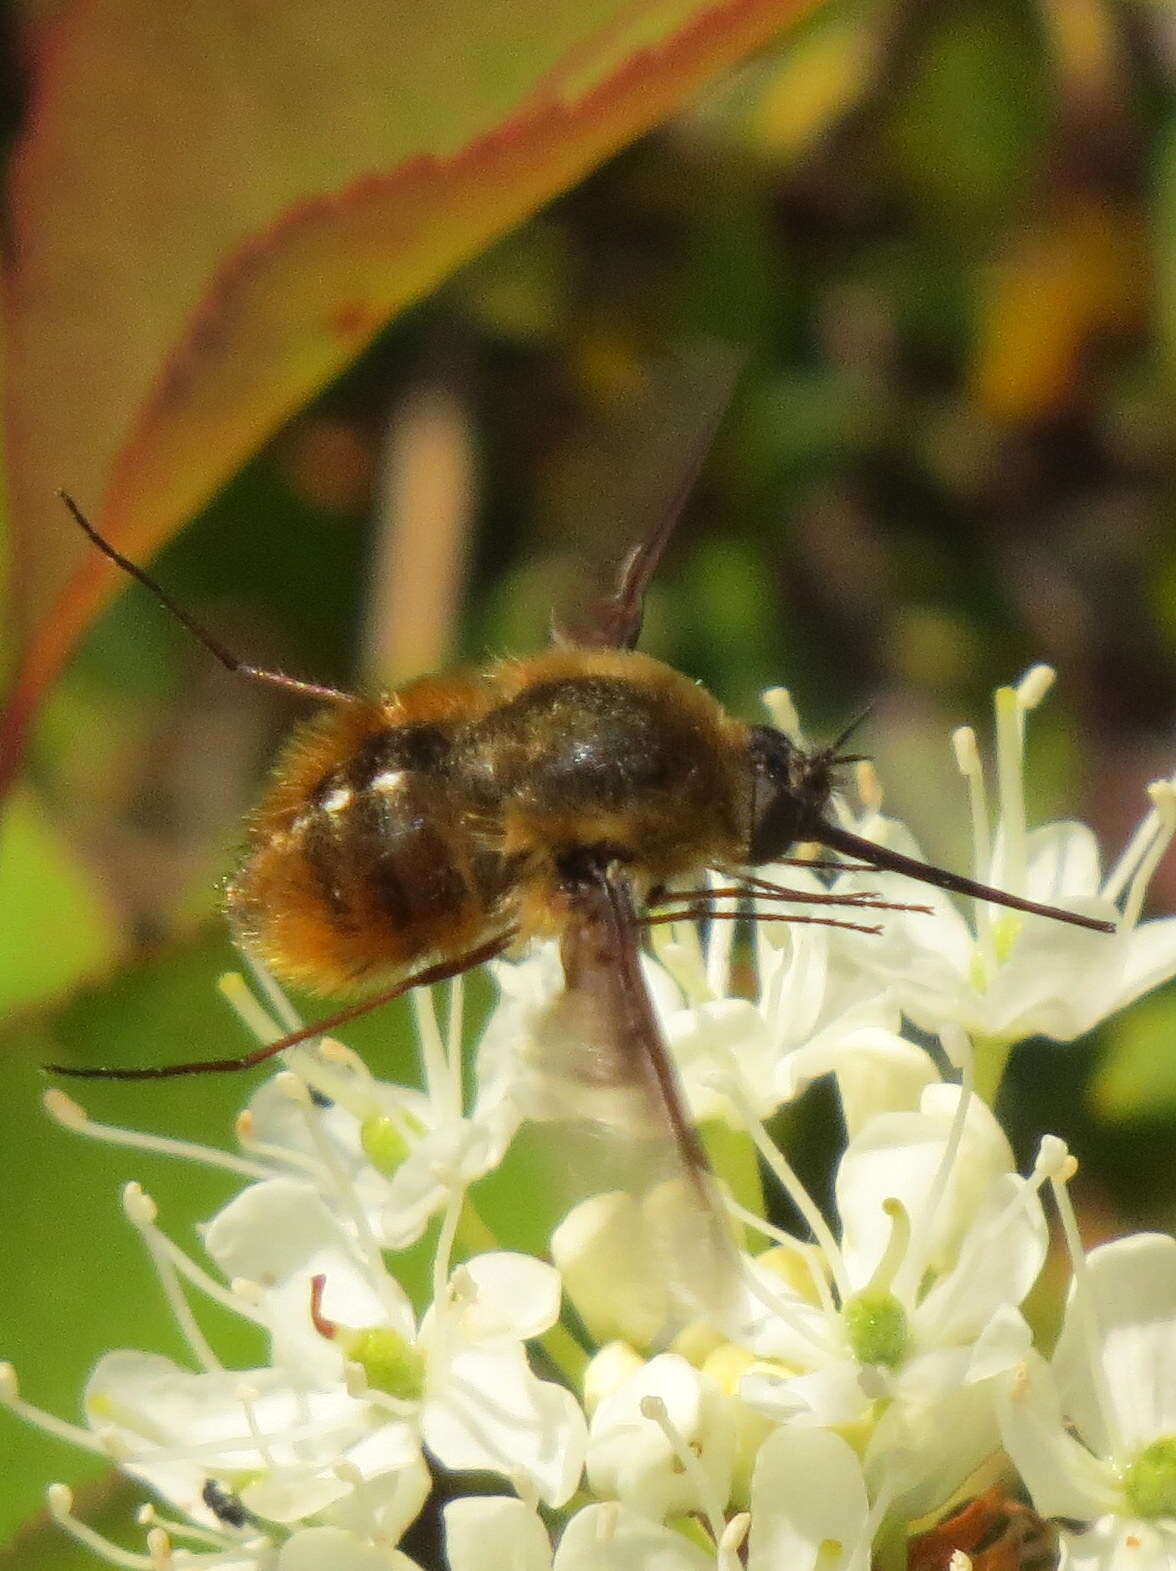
{"points": [[358, 871]]}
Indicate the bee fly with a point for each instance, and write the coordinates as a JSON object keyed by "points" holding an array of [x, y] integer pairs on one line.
{"points": [[409, 837]]}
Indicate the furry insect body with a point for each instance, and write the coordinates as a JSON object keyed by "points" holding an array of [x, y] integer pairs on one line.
{"points": [[408, 831], [406, 839]]}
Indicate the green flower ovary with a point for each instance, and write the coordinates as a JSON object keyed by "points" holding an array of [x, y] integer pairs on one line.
{"points": [[876, 1328], [385, 1142], [1150, 1482], [390, 1364]]}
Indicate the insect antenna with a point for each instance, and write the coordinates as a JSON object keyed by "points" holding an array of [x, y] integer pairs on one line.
{"points": [[218, 1066], [834, 748], [288, 684]]}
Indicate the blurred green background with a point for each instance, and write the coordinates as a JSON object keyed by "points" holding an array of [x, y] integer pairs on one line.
{"points": [[944, 237]]}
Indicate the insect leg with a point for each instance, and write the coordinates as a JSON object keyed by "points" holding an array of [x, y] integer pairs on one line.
{"points": [[215, 1066]]}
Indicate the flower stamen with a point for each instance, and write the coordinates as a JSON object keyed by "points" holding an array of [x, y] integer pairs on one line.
{"points": [[47, 1423], [141, 1211], [442, 1087], [1124, 869], [914, 1267], [654, 1408], [1060, 1167], [63, 1110], [782, 1171], [59, 1502], [1163, 799]]}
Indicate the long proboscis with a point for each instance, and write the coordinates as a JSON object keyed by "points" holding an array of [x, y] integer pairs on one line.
{"points": [[888, 861], [441, 972]]}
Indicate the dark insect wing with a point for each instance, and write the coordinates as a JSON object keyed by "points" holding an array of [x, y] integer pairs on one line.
{"points": [[600, 1069]]}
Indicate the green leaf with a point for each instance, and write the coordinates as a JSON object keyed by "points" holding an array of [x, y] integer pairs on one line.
{"points": [[217, 206], [74, 1278], [58, 929], [1137, 1076]]}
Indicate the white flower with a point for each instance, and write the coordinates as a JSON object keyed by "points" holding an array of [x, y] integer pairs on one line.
{"points": [[808, 1018], [234, 1543], [809, 1510], [938, 1237], [496, 1534], [1004, 975], [1093, 1433], [641, 1430], [889, 1320], [400, 1152], [315, 1548], [288, 1451], [460, 1379]]}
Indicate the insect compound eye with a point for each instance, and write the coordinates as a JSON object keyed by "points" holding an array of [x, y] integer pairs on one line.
{"points": [[789, 791]]}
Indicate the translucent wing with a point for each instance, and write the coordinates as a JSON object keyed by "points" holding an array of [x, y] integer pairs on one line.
{"points": [[707, 378], [600, 1069]]}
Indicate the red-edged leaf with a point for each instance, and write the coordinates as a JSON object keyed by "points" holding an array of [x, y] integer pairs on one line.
{"points": [[215, 207]]}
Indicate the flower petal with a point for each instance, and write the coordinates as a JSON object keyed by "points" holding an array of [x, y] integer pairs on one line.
{"points": [[610, 1538], [999, 1259], [630, 1457], [317, 1547], [808, 1504], [617, 1286], [513, 1296], [1133, 1285], [494, 1533], [1116, 1543], [175, 1429], [488, 1410], [898, 1156], [1061, 1475], [1151, 959]]}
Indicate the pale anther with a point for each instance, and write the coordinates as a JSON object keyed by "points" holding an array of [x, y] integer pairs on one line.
{"points": [[59, 1499], [735, 1533], [1034, 685], [140, 1209], [956, 1045], [64, 1110], [240, 998], [293, 1087], [1052, 1156], [869, 785], [782, 710], [159, 1547], [963, 741]]}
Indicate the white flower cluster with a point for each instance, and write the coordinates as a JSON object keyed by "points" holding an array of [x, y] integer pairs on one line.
{"points": [[868, 1368]]}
